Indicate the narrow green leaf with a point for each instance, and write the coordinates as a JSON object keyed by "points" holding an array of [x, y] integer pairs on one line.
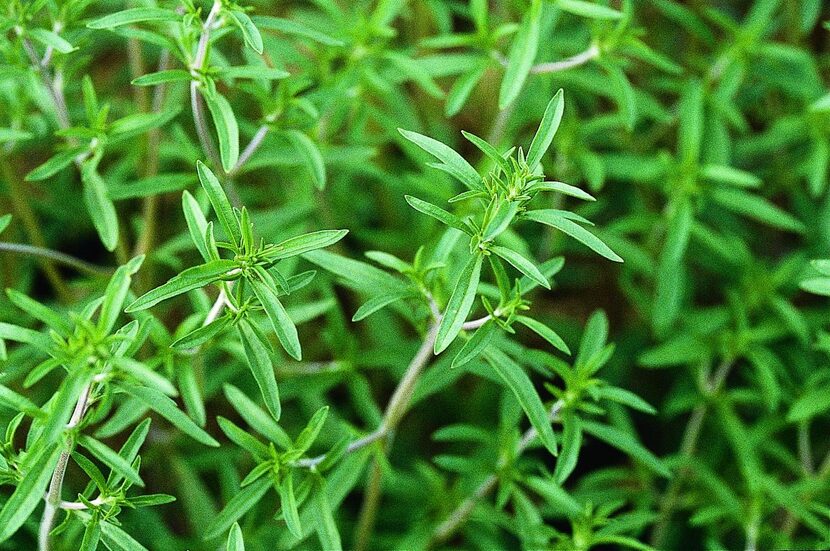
{"points": [[466, 174], [29, 492], [815, 285], [227, 129], [627, 444], [22, 334], [17, 402], [438, 213], [48, 38], [139, 123], [134, 15], [201, 334], [116, 294], [259, 361], [670, 270], [289, 505], [288, 26], [519, 383], [756, 208], [100, 207], [309, 434], [501, 219], [166, 407], [14, 135], [377, 303], [256, 417], [547, 130], [460, 303], [235, 542], [63, 403], [129, 450], [192, 278], [39, 311], [462, 88], [813, 402], [55, 164], [522, 264], [311, 156], [196, 224], [282, 324], [555, 220], [571, 444], [117, 463], [92, 534], [305, 243], [554, 494], [488, 150], [590, 10], [545, 332], [691, 115], [626, 397], [243, 439], [91, 470], [623, 93], [562, 188], [326, 527], [521, 57], [162, 77], [249, 30], [475, 346], [730, 176], [256, 72], [238, 506], [117, 539]]}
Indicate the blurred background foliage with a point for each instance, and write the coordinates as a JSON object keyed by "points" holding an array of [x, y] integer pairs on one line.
{"points": [[703, 130]]}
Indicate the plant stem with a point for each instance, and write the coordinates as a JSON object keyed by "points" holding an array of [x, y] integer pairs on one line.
{"points": [[53, 498], [78, 506], [395, 411], [790, 522], [475, 324], [56, 256], [461, 513], [500, 124], [196, 102], [250, 149], [53, 85], [592, 52], [691, 435], [358, 444]]}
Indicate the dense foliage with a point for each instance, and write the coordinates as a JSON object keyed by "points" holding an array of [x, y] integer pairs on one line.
{"points": [[378, 274]]}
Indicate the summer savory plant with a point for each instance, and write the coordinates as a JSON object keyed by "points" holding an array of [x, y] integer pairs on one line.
{"points": [[375, 274]]}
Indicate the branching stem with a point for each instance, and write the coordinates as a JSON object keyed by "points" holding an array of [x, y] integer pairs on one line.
{"points": [[196, 102], [461, 513], [691, 435], [53, 498], [395, 410], [56, 256]]}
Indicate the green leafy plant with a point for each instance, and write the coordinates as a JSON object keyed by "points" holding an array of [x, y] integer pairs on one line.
{"points": [[572, 305]]}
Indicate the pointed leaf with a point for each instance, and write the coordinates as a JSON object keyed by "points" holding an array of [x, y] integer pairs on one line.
{"points": [[459, 305], [547, 130], [192, 278], [259, 361]]}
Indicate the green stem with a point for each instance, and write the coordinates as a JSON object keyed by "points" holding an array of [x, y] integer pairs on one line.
{"points": [[460, 514], [55, 256], [691, 435], [395, 411], [53, 497]]}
